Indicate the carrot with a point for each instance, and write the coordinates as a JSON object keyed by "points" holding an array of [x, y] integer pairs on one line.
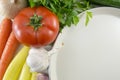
{"points": [[5, 30], [8, 54]]}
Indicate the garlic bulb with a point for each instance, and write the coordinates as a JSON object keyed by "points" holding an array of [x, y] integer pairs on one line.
{"points": [[10, 8], [38, 60]]}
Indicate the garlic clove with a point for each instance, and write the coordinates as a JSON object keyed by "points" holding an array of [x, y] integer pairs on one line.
{"points": [[38, 60]]}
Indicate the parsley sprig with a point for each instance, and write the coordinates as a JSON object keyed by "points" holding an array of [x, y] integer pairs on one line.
{"points": [[66, 10]]}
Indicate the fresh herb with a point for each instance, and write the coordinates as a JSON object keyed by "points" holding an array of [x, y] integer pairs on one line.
{"points": [[66, 10], [88, 17]]}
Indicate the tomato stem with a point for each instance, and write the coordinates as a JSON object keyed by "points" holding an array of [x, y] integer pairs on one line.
{"points": [[35, 21]]}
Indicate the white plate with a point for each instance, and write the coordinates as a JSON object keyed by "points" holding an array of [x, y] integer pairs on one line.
{"points": [[92, 52]]}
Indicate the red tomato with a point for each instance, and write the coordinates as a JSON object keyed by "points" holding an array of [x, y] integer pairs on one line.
{"points": [[36, 26]]}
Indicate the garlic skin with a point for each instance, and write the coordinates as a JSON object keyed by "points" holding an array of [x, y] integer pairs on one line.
{"points": [[38, 60], [10, 8]]}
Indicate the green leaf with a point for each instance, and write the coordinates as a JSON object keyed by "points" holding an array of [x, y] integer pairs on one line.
{"points": [[89, 14], [52, 7], [88, 17], [43, 2], [61, 19], [75, 20], [31, 2], [87, 20]]}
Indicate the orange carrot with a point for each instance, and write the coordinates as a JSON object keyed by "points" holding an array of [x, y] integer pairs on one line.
{"points": [[5, 30], [8, 54]]}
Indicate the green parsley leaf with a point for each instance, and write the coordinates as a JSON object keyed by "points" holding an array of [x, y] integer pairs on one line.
{"points": [[75, 20], [88, 17]]}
